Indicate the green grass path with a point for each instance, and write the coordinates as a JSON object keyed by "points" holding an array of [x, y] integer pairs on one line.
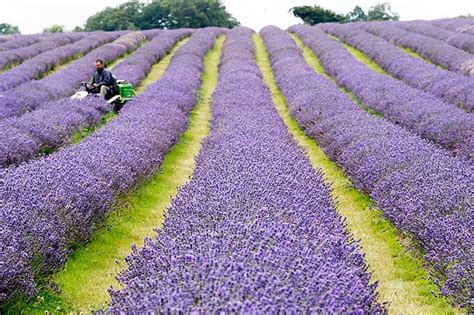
{"points": [[403, 281], [91, 270], [417, 55]]}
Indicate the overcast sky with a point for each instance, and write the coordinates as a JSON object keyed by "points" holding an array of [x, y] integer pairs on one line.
{"points": [[32, 16]]}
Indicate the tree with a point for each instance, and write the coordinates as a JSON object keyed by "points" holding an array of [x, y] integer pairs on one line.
{"points": [[155, 15], [54, 29], [6, 29], [315, 14], [168, 14], [172, 14], [382, 12], [125, 17], [356, 15]]}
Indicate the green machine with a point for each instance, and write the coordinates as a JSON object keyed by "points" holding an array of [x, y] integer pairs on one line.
{"points": [[125, 92], [122, 93]]}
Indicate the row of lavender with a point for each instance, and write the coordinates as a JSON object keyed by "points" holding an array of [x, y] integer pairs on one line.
{"points": [[430, 48], [456, 39], [18, 41], [58, 200], [39, 65], [35, 94], [462, 25], [53, 125], [255, 230], [446, 85], [5, 38], [420, 188], [17, 56], [419, 112]]}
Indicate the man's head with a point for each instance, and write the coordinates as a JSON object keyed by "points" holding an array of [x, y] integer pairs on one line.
{"points": [[99, 64]]}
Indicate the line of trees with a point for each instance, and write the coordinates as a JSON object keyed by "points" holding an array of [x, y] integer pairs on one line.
{"points": [[317, 14], [172, 14], [167, 14]]}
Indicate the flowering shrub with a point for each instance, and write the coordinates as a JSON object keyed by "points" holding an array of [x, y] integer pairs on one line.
{"points": [[421, 113], [34, 94], [53, 202], [422, 189], [449, 86], [431, 48], [255, 229]]}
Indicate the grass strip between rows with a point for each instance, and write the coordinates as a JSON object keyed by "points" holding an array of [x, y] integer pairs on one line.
{"points": [[60, 66], [91, 270], [403, 281], [417, 55], [158, 69], [361, 57]]}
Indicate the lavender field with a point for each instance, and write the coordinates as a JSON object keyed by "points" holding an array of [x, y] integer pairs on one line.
{"points": [[317, 169]]}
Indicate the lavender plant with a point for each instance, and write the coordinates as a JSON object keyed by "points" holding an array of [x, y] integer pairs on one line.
{"points": [[255, 230], [52, 203], [446, 85], [423, 190], [40, 64], [53, 125], [445, 125], [18, 41], [431, 48], [35, 94], [456, 39], [17, 56], [463, 25]]}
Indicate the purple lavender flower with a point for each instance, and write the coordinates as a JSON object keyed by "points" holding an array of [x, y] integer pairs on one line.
{"points": [[422, 189], [255, 230], [58, 200], [52, 125], [18, 41], [431, 48], [421, 113], [456, 39], [462, 25], [40, 64], [446, 85], [34, 94], [17, 56]]}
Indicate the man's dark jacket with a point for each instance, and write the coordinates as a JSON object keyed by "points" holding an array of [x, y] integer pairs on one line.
{"points": [[103, 77]]}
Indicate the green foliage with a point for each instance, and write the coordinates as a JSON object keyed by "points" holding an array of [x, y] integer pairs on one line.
{"points": [[382, 12], [357, 14], [315, 14], [123, 17], [56, 28], [167, 14], [6, 29]]}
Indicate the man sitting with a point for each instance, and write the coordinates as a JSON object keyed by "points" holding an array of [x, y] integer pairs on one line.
{"points": [[103, 80]]}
